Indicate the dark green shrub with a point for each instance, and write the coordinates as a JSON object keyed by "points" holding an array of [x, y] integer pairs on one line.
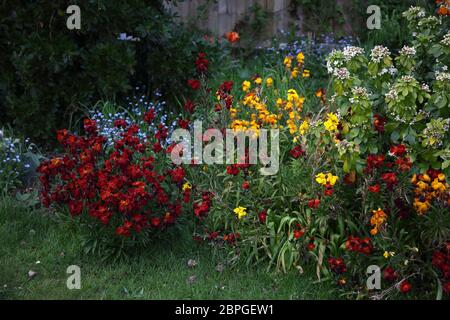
{"points": [[49, 71]]}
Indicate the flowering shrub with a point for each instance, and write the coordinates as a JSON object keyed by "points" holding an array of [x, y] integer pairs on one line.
{"points": [[364, 169], [126, 192]]}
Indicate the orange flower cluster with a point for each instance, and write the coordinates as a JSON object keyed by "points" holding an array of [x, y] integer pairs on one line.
{"points": [[379, 217], [444, 7], [428, 187]]}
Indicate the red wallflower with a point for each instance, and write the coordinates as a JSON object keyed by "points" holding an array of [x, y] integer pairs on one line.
{"points": [[398, 150], [375, 188], [405, 286], [121, 182], [177, 175], [359, 245], [314, 203], [184, 124], [246, 185], [390, 178], [337, 266], [233, 170], [311, 246], [298, 233], [194, 84], [201, 63], [149, 116], [390, 274], [189, 106], [296, 152], [262, 216]]}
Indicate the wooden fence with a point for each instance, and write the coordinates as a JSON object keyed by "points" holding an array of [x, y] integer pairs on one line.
{"points": [[222, 16]]}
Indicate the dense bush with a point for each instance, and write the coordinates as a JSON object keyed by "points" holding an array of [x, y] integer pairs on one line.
{"points": [[49, 71]]}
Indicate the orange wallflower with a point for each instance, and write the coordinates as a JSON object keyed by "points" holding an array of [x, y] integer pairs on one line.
{"points": [[232, 36]]}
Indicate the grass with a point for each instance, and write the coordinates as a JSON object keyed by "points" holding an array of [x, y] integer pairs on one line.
{"points": [[28, 236]]}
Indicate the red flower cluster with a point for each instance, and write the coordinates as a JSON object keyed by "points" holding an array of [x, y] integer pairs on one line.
{"points": [[201, 209], [441, 261], [296, 152], [224, 95], [194, 84], [201, 63], [314, 203], [390, 274], [189, 106], [359, 245], [337, 265], [119, 187]]}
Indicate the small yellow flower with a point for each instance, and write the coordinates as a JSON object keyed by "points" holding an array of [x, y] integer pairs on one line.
{"points": [[331, 179], [332, 122], [269, 82], [246, 85], [240, 212], [258, 81], [300, 57], [279, 102], [187, 186], [288, 61], [321, 179], [386, 254], [304, 127], [294, 73], [306, 73]]}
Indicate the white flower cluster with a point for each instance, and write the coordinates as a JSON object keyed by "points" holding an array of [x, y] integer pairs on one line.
{"points": [[335, 60], [425, 87], [429, 21], [442, 76], [446, 40], [360, 92], [417, 12], [392, 71], [392, 94], [351, 52], [379, 53], [408, 51], [407, 79], [342, 73]]}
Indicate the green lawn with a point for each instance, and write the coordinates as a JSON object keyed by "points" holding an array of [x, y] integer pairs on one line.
{"points": [[31, 236]]}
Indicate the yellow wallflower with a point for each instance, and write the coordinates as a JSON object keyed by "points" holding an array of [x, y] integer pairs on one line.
{"points": [[326, 178], [304, 127], [269, 82], [187, 186], [300, 57], [258, 81], [294, 73], [306, 73], [279, 102], [246, 85], [288, 61], [332, 179], [321, 179], [438, 186], [331, 123], [240, 212]]}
